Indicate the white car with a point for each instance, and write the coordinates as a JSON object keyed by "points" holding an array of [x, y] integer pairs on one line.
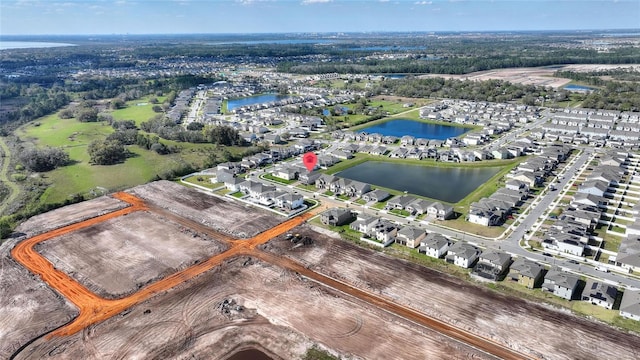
{"points": [[603, 269]]}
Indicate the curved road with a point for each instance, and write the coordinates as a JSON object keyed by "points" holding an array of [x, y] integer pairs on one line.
{"points": [[94, 309]]}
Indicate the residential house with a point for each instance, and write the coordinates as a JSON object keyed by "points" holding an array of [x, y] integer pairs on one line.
{"points": [[517, 185], [364, 223], [629, 253], [324, 181], [565, 243], [336, 216], [341, 154], [400, 153], [562, 284], [600, 293], [526, 272], [384, 231], [223, 175], [589, 199], [410, 236], [440, 211], [630, 305], [418, 207], [286, 173], [379, 151], [399, 202], [272, 139], [463, 254], [407, 140], [289, 201], [434, 245], [356, 188], [309, 178], [593, 187], [376, 195], [233, 184], [255, 189], [492, 265], [530, 179]]}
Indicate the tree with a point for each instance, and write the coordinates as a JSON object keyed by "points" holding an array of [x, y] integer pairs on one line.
{"points": [[157, 108], [66, 114], [6, 228], [224, 135], [88, 115], [160, 148], [107, 152], [118, 103], [125, 136], [41, 160], [195, 126]]}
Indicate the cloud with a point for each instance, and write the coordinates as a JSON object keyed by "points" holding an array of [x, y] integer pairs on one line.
{"points": [[250, 2], [424, 2], [383, 1], [308, 2]]}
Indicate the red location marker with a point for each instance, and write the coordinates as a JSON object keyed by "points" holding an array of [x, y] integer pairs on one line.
{"points": [[310, 160]]}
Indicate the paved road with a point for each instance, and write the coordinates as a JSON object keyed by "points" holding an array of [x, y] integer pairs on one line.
{"points": [[512, 243]]}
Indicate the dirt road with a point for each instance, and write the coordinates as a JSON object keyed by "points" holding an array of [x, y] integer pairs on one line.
{"points": [[94, 309], [478, 342]]}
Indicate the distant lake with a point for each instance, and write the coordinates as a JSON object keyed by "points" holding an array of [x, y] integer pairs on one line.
{"points": [[385, 48], [252, 100], [393, 76], [573, 87], [277, 41], [418, 129], [444, 184], [6, 45]]}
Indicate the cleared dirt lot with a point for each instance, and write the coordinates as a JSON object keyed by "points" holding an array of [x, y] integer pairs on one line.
{"points": [[524, 326], [28, 307], [117, 257], [70, 214], [224, 215], [277, 309]]}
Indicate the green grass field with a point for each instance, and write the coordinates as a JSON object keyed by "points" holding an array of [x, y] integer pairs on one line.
{"points": [[136, 111], [81, 177]]}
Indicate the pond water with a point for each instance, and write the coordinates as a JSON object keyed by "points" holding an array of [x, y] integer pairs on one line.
{"points": [[252, 100], [444, 184], [573, 87], [6, 45], [277, 41], [418, 129], [249, 354]]}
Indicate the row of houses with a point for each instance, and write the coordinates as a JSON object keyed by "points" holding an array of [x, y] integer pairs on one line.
{"points": [[450, 150], [495, 209], [571, 232], [488, 265], [266, 195], [480, 113]]}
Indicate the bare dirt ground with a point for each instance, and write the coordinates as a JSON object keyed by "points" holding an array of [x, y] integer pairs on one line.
{"points": [[524, 326], [280, 312], [227, 216], [28, 307], [118, 257], [524, 76], [69, 214], [539, 76]]}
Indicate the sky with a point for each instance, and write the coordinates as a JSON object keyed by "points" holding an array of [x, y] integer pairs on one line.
{"points": [[69, 17]]}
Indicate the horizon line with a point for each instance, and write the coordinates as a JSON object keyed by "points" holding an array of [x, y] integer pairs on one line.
{"points": [[332, 32]]}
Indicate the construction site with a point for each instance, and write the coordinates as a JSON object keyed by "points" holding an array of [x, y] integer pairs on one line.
{"points": [[165, 271]]}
